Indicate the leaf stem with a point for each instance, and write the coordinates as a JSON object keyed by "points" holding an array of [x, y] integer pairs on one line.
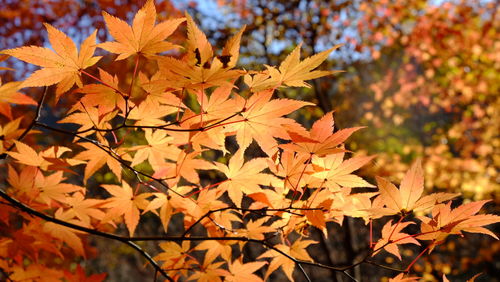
{"points": [[137, 56], [415, 260], [124, 95]]}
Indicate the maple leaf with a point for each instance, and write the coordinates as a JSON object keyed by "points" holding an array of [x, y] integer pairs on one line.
{"points": [[8, 132], [51, 188], [10, 95], [213, 109], [320, 140], [124, 202], [155, 104], [244, 271], [333, 172], [89, 118], [105, 98], [62, 66], [64, 233], [200, 68], [96, 158], [218, 105], [199, 50], [158, 149], [392, 237], [408, 197], [187, 165], [402, 278], [174, 255], [359, 205], [243, 178], [195, 209], [143, 37], [49, 159], [293, 168], [263, 120], [166, 209], [297, 250], [35, 272], [317, 219], [210, 272], [82, 208], [24, 181], [26, 155], [29, 240], [255, 229], [446, 221], [292, 71], [215, 249]]}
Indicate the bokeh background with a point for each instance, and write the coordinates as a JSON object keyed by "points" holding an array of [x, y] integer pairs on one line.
{"points": [[422, 76]]}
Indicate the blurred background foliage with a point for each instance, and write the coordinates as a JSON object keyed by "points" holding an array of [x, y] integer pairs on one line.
{"points": [[423, 76]]}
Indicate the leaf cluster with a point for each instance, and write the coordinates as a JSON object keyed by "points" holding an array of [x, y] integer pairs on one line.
{"points": [[189, 108]]}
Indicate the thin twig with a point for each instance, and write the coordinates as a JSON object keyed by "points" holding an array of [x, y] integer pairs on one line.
{"points": [[31, 125]]}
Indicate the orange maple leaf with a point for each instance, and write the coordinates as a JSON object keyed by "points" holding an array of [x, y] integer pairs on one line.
{"points": [[243, 178], [297, 250], [392, 237], [320, 140], [210, 272], [255, 229], [158, 149], [143, 37], [239, 271], [333, 172], [96, 158], [62, 66], [262, 120], [88, 118], [66, 234], [105, 98], [8, 132], [446, 221], [292, 71], [200, 68], [26, 155], [35, 272], [215, 249], [51, 188], [187, 164], [84, 209], [472, 279], [402, 278], [10, 95], [174, 255], [408, 197], [124, 202], [166, 209]]}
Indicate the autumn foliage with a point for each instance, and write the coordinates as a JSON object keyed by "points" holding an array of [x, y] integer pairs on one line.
{"points": [[203, 147]]}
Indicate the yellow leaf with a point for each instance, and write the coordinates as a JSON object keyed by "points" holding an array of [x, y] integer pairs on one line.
{"points": [[61, 67], [143, 37]]}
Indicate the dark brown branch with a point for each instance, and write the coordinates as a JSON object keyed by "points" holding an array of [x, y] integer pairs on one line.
{"points": [[122, 239], [287, 210]]}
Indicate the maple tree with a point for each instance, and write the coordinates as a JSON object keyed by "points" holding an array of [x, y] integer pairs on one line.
{"points": [[420, 74], [222, 160]]}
